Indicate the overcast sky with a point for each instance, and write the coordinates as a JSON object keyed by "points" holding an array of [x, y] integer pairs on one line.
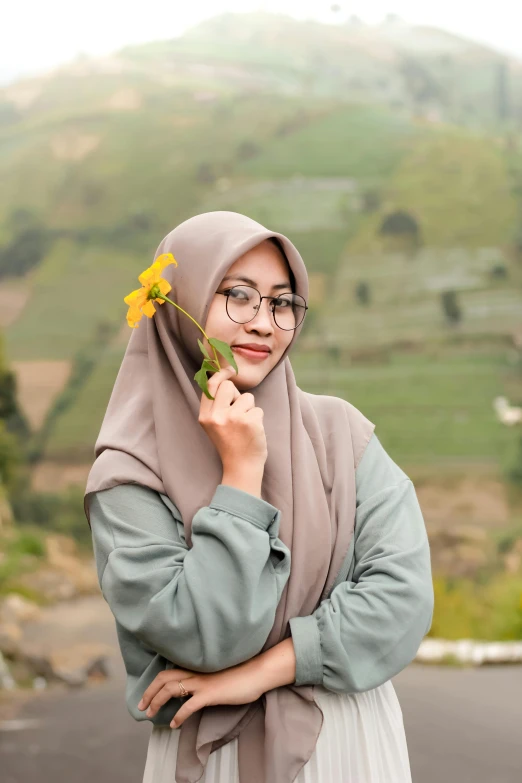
{"points": [[36, 35]]}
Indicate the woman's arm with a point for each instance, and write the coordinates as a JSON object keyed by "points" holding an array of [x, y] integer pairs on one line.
{"points": [[205, 608], [371, 626]]}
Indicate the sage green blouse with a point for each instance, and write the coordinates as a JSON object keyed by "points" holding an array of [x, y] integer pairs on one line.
{"points": [[212, 606]]}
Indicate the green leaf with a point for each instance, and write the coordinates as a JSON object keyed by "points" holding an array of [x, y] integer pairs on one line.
{"points": [[225, 350], [202, 381], [204, 350], [209, 365]]}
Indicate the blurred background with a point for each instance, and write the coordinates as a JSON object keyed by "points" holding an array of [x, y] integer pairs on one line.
{"points": [[385, 140]]}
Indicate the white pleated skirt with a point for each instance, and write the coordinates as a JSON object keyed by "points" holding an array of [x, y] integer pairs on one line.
{"points": [[362, 740]]}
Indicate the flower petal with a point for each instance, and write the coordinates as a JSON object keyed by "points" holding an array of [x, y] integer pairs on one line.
{"points": [[134, 297], [165, 259], [133, 316], [148, 309], [151, 276], [164, 286], [147, 277]]}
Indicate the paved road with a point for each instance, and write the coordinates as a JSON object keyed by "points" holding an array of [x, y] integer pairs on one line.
{"points": [[79, 737], [462, 726]]}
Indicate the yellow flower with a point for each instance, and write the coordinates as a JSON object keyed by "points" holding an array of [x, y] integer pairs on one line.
{"points": [[140, 300]]}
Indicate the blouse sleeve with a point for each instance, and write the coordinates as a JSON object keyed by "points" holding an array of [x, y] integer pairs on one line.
{"points": [[371, 626], [204, 608]]}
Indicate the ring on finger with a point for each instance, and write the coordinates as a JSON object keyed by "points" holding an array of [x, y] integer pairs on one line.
{"points": [[183, 690]]}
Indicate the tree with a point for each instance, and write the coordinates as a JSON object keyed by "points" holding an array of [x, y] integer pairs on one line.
{"points": [[370, 201], [451, 307], [514, 471], [362, 293], [401, 230], [247, 150], [29, 244], [205, 174], [502, 91]]}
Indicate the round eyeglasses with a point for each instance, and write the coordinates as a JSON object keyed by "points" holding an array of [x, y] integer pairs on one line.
{"points": [[244, 301]]}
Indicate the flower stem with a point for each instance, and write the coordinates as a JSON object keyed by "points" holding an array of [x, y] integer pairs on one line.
{"points": [[162, 296]]}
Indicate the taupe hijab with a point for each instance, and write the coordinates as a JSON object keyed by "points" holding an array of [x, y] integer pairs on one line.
{"points": [[151, 436]]}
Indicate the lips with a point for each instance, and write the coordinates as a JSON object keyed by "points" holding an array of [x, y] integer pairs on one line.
{"points": [[253, 347], [249, 353]]}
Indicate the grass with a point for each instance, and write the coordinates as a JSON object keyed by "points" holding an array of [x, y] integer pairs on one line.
{"points": [[22, 550], [321, 250], [430, 410], [441, 181], [76, 430], [488, 612], [426, 409], [299, 204], [351, 141], [73, 289], [405, 296]]}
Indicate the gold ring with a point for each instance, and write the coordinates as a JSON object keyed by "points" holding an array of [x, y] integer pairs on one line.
{"points": [[182, 689]]}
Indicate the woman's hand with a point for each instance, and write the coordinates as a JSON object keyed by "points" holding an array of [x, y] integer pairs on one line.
{"points": [[233, 423], [240, 684]]}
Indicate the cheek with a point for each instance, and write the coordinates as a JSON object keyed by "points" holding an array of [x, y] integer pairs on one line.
{"points": [[280, 348], [217, 321], [284, 342]]}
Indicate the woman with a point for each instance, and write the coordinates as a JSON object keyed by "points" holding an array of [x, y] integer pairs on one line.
{"points": [[265, 559]]}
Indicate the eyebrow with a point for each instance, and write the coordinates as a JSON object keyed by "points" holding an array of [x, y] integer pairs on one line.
{"points": [[253, 282]]}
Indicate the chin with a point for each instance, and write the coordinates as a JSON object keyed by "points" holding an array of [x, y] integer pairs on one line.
{"points": [[247, 380], [249, 375], [244, 384]]}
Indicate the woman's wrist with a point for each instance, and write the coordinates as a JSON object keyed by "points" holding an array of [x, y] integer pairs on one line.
{"points": [[276, 666], [245, 477]]}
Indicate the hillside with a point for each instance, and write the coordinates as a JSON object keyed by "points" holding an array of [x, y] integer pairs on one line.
{"points": [[390, 156]]}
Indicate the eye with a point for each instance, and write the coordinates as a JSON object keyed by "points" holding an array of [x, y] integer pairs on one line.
{"points": [[236, 293], [280, 302]]}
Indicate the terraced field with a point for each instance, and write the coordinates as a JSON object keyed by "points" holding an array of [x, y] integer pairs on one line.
{"points": [[429, 410], [105, 159]]}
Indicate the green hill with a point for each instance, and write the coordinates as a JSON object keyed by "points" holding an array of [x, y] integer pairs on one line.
{"points": [[331, 134]]}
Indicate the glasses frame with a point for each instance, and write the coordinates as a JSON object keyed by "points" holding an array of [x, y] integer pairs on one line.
{"points": [[226, 293]]}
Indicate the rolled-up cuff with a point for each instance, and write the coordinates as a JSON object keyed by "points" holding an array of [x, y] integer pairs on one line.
{"points": [[243, 504], [307, 647]]}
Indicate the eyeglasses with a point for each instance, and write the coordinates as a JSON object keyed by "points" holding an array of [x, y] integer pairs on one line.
{"points": [[244, 301]]}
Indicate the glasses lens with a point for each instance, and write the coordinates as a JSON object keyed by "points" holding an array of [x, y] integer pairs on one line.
{"points": [[243, 303], [289, 310]]}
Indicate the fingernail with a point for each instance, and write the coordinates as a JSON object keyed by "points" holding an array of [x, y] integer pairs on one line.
{"points": [[149, 712], [141, 705]]}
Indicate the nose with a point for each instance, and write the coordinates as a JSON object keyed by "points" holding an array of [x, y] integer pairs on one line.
{"points": [[264, 318]]}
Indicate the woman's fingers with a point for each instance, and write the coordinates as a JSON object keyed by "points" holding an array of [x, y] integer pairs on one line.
{"points": [[170, 690], [225, 395], [214, 384], [186, 710], [243, 403], [160, 681]]}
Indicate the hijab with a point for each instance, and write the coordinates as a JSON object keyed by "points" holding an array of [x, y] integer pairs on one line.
{"points": [[150, 435]]}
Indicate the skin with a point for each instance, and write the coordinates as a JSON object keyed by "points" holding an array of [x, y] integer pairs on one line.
{"points": [[275, 667], [239, 684]]}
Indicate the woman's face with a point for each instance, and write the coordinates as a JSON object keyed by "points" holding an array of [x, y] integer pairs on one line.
{"points": [[266, 269]]}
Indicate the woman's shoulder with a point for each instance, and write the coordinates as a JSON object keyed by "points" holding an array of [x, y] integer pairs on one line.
{"points": [[330, 410], [132, 517], [131, 497], [377, 469]]}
